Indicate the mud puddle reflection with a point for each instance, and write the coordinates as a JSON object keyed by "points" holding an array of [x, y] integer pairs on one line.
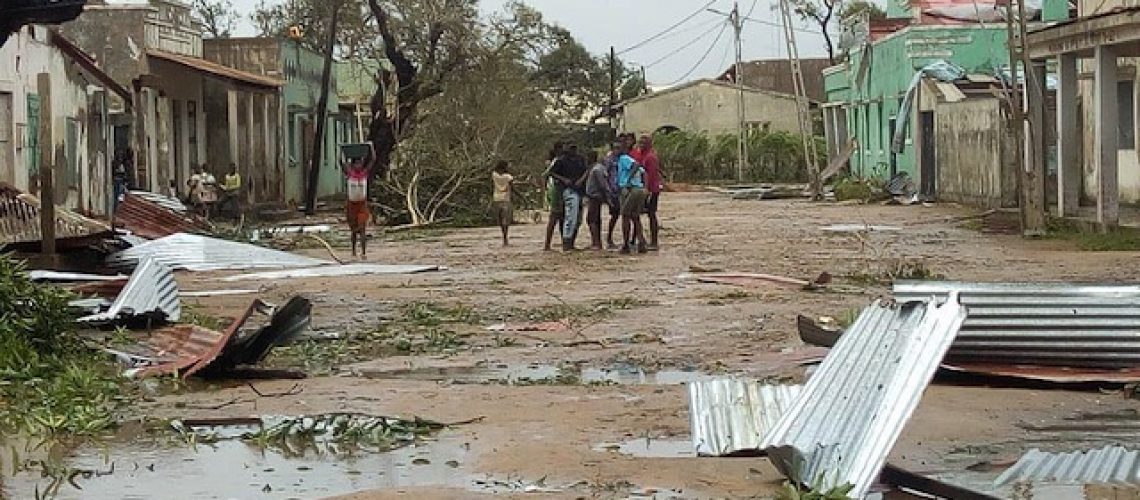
{"points": [[651, 448], [156, 468], [539, 374]]}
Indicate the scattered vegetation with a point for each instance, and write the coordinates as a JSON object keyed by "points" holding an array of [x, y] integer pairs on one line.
{"points": [[50, 383], [1117, 240], [792, 491], [700, 157], [333, 433], [852, 188], [192, 315]]}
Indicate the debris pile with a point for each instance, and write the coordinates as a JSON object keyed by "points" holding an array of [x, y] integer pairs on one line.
{"points": [[154, 216], [20, 222]]}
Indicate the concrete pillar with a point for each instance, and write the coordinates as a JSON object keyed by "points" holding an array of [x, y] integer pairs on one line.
{"points": [[1068, 161], [1033, 177], [232, 122], [250, 167], [1106, 116]]}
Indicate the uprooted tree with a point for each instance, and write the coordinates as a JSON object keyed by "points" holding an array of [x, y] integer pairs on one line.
{"points": [[455, 92]]}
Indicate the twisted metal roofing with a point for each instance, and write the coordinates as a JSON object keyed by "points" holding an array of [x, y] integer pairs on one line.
{"points": [[151, 291], [853, 409], [731, 416]]}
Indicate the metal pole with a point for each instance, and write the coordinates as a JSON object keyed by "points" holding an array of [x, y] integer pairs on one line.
{"points": [[613, 93], [741, 125], [322, 119]]}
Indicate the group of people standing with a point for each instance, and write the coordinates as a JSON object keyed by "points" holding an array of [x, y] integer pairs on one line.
{"points": [[627, 181]]}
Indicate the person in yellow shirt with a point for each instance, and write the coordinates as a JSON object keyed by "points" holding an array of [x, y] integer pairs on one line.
{"points": [[231, 190]]}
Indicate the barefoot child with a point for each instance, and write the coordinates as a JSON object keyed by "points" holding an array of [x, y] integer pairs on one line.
{"points": [[502, 182], [553, 196], [597, 195], [357, 206]]}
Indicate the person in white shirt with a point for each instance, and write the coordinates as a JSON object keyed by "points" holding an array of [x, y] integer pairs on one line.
{"points": [[502, 182]]}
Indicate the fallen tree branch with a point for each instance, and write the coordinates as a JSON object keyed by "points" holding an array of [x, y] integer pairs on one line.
{"points": [[293, 391], [221, 405], [327, 247], [465, 422]]}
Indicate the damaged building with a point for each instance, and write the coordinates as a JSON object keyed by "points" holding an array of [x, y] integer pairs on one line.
{"points": [[55, 99]]}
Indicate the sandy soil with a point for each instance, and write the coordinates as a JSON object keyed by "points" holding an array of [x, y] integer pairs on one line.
{"points": [[555, 436]]}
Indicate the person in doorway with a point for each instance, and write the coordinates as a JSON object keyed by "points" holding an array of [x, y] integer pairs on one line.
{"points": [[570, 171], [597, 194], [357, 173], [502, 183], [653, 184], [631, 180], [553, 196]]}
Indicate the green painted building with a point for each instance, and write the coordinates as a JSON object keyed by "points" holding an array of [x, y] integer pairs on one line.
{"points": [[866, 92], [301, 69]]}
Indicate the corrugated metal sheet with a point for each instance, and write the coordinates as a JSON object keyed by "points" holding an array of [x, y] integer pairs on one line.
{"points": [[1055, 324], [154, 216], [170, 350], [151, 291], [20, 220], [1112, 464], [335, 271], [731, 416], [855, 406], [201, 253]]}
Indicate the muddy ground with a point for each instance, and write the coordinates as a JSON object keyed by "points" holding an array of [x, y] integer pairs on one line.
{"points": [[599, 409]]}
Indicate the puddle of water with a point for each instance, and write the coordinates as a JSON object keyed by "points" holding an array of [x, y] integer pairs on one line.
{"points": [[540, 374], [233, 469], [651, 448]]}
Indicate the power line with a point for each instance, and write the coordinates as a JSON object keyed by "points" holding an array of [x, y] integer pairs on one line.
{"points": [[704, 57], [778, 25], [672, 53], [667, 30]]}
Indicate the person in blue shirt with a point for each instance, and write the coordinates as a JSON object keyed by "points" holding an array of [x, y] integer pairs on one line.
{"points": [[631, 181]]}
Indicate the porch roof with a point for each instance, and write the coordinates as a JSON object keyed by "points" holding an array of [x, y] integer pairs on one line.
{"points": [[1119, 28], [217, 70]]}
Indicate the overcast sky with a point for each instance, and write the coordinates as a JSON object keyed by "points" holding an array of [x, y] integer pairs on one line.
{"points": [[598, 24]]}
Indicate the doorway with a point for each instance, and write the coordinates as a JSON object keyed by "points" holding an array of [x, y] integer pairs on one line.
{"points": [[928, 171], [7, 147]]}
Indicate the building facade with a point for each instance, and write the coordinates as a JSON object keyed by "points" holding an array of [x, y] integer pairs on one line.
{"points": [[300, 70], [708, 106], [155, 49], [53, 95]]}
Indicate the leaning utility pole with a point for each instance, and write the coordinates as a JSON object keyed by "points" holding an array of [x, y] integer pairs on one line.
{"points": [[1027, 117], [742, 120], [321, 118], [803, 108]]}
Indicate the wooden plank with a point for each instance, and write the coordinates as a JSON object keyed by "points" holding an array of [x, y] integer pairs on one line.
{"points": [[47, 186], [840, 161]]}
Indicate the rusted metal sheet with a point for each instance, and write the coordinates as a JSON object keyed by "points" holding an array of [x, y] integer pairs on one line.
{"points": [[853, 409], [1053, 374], [187, 350], [154, 216], [1109, 465], [20, 220], [729, 417], [150, 293]]}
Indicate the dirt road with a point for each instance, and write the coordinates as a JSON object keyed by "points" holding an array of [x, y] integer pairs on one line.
{"points": [[599, 409]]}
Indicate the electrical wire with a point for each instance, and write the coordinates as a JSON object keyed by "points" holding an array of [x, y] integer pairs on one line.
{"points": [[667, 30], [673, 52], [703, 57], [778, 25]]}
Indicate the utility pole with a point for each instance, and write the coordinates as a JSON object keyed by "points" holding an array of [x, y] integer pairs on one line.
{"points": [[613, 94], [742, 121], [1026, 101], [47, 164], [322, 119]]}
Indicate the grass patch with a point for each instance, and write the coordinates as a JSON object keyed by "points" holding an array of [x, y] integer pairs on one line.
{"points": [[864, 190], [192, 315], [50, 383], [1117, 240]]}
